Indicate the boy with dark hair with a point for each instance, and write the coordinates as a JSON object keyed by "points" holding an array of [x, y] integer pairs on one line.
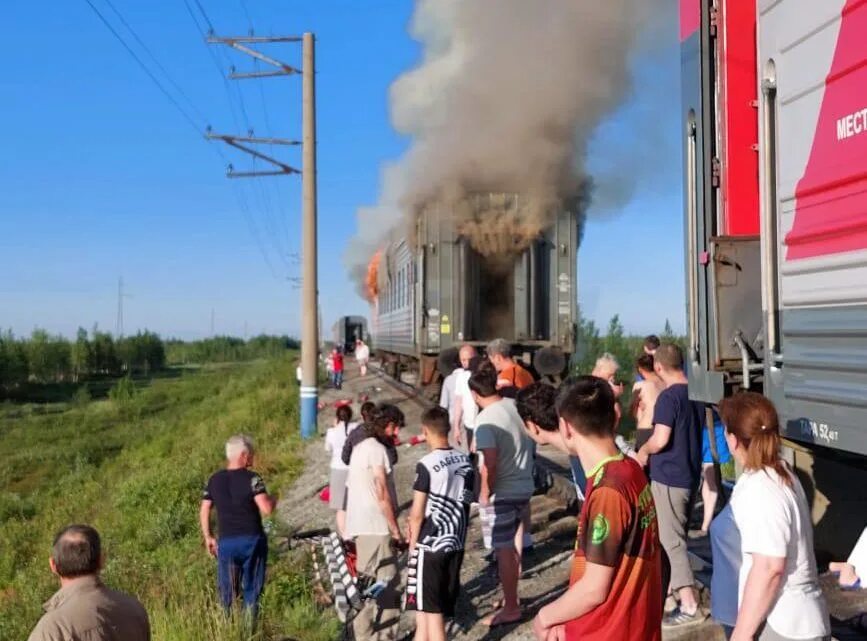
{"points": [[651, 344], [442, 493], [506, 471], [537, 406], [615, 588]]}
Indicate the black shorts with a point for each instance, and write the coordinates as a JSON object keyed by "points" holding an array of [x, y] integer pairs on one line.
{"points": [[433, 581]]}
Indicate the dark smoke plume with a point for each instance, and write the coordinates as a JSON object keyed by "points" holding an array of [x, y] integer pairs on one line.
{"points": [[505, 99]]}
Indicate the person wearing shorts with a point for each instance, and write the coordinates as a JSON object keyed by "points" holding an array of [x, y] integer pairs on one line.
{"points": [[442, 493], [506, 470]]}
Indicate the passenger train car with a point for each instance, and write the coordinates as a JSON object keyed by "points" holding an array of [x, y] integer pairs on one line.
{"points": [[434, 292], [347, 330], [774, 108]]}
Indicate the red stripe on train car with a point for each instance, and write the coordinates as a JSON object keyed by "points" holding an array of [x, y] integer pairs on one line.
{"points": [[831, 209], [690, 18], [739, 123]]}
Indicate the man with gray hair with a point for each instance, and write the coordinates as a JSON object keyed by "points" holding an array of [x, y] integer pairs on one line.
{"points": [[84, 608], [241, 548], [606, 368], [511, 376]]}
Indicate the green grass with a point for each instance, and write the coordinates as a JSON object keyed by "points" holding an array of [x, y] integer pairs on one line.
{"points": [[134, 467]]}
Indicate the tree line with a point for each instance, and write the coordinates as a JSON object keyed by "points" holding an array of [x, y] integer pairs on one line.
{"points": [[224, 349], [591, 343], [44, 358]]}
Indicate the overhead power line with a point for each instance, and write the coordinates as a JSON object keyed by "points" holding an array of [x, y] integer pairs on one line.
{"points": [[271, 226], [145, 68], [156, 61]]}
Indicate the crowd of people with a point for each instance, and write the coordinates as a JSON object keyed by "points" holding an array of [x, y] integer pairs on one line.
{"points": [[630, 576]]}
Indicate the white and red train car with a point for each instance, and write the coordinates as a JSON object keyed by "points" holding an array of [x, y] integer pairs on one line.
{"points": [[774, 105]]}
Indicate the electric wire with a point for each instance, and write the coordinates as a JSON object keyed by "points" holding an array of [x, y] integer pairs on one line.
{"points": [[156, 61], [280, 222], [145, 68], [237, 188], [241, 199]]}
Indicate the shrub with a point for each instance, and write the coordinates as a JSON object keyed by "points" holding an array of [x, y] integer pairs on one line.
{"points": [[123, 390]]}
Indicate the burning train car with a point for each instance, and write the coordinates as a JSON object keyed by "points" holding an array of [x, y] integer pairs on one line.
{"points": [[459, 279], [347, 330]]}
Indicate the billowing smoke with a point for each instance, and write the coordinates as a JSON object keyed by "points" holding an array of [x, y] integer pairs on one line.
{"points": [[505, 99]]}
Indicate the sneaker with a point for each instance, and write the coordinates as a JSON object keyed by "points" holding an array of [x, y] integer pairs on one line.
{"points": [[679, 617]]}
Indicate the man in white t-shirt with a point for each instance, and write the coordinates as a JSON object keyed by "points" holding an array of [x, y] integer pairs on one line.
{"points": [[464, 409], [371, 518]]}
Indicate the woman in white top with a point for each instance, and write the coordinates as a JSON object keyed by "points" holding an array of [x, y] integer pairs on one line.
{"points": [[779, 597], [362, 356], [335, 437]]}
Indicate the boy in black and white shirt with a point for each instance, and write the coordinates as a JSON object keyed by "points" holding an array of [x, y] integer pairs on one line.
{"points": [[442, 493]]}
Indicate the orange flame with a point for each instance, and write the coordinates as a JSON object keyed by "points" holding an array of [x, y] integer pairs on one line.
{"points": [[372, 275]]}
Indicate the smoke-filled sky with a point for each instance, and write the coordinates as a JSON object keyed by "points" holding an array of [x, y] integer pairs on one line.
{"points": [[505, 99], [103, 178]]}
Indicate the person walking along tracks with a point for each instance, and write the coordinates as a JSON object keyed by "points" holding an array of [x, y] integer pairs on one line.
{"points": [[84, 609], [241, 548]]}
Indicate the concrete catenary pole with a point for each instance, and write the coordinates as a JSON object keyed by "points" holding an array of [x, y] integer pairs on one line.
{"points": [[309, 316]]}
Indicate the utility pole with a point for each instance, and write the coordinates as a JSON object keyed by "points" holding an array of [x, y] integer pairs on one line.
{"points": [[310, 332], [118, 325], [309, 290]]}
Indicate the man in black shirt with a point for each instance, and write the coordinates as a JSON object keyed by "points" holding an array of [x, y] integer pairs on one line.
{"points": [[241, 548]]}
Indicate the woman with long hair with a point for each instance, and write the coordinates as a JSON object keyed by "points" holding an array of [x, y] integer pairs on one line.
{"points": [[779, 593], [335, 438]]}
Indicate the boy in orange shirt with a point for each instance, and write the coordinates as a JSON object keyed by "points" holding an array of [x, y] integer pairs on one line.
{"points": [[615, 587]]}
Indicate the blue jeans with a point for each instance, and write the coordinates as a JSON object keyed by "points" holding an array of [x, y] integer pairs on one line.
{"points": [[337, 379], [241, 569]]}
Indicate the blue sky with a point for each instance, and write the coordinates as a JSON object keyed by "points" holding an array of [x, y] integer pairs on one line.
{"points": [[100, 176]]}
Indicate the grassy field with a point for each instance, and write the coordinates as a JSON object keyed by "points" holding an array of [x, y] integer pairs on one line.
{"points": [[134, 468]]}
